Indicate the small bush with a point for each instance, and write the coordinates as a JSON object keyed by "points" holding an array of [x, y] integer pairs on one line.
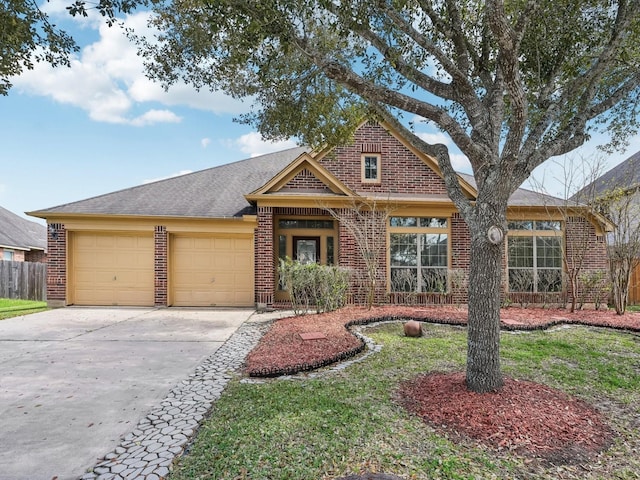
{"points": [[312, 285], [594, 284]]}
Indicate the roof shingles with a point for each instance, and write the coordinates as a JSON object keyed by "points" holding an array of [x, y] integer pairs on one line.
{"points": [[18, 232], [216, 192]]}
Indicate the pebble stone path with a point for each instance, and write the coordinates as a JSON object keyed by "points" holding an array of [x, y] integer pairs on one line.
{"points": [[149, 450]]}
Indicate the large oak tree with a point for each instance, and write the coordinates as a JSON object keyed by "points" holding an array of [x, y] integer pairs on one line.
{"points": [[511, 83]]}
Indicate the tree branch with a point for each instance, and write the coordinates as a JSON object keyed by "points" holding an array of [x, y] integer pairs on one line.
{"points": [[441, 153]]}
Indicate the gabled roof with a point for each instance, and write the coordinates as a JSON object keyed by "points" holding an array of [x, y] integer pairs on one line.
{"points": [[231, 190], [304, 161], [626, 175], [20, 233], [212, 193]]}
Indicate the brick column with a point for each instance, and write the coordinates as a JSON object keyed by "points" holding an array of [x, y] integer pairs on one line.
{"points": [[56, 265], [264, 258], [460, 254], [584, 249], [349, 256], [160, 266]]}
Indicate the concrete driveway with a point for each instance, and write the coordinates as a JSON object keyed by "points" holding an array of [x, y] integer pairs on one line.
{"points": [[73, 381]]}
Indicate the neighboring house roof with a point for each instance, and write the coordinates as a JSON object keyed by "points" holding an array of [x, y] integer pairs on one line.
{"points": [[523, 197], [20, 233], [216, 192], [625, 175]]}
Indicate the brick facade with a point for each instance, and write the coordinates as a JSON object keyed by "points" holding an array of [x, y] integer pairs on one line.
{"points": [[460, 256], [305, 181], [160, 263], [56, 264], [37, 256], [402, 172], [264, 258], [584, 249]]}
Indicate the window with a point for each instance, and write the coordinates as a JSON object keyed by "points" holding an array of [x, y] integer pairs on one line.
{"points": [[7, 255], [305, 223], [371, 168], [419, 254], [535, 256]]}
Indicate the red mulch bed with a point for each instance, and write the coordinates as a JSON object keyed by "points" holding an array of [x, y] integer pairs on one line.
{"points": [[525, 417], [282, 351]]}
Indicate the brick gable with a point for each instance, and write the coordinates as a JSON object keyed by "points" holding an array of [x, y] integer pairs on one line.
{"points": [[401, 170], [306, 181]]}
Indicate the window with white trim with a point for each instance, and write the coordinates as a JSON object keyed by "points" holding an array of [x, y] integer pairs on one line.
{"points": [[535, 256], [370, 168], [419, 254]]}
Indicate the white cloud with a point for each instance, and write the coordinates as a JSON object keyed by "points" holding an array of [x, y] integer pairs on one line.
{"points": [[172, 175], [107, 80], [434, 138], [459, 161], [205, 142], [253, 144], [156, 116]]}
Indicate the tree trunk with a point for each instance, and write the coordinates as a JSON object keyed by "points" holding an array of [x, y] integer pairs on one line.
{"points": [[573, 280], [485, 284], [621, 278]]}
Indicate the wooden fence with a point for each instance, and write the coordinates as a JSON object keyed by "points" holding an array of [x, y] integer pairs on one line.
{"points": [[23, 280], [634, 287]]}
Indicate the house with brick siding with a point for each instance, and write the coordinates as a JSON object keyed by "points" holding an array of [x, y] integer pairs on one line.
{"points": [[215, 237], [625, 179], [21, 240]]}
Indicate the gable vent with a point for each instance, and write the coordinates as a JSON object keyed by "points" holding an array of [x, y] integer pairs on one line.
{"points": [[371, 147]]}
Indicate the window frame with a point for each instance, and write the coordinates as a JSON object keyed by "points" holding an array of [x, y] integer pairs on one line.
{"points": [[531, 230], [363, 168], [414, 225]]}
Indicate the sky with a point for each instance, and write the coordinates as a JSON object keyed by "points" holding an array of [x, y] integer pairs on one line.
{"points": [[67, 134]]}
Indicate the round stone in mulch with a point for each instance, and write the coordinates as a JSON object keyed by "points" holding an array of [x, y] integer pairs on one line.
{"points": [[412, 329], [525, 417], [371, 476]]}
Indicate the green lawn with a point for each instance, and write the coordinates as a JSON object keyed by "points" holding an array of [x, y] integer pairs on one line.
{"points": [[14, 308], [347, 422]]}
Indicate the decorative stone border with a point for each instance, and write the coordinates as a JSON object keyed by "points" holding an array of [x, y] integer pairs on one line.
{"points": [[369, 348]]}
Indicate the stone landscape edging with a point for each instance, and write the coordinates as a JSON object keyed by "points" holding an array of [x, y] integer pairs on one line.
{"points": [[363, 321]]}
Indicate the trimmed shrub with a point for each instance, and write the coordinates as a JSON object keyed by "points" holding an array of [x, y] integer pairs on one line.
{"points": [[312, 285]]}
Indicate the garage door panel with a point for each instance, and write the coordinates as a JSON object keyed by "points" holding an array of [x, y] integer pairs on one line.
{"points": [[98, 297], [103, 278], [224, 243], [105, 241], [211, 271], [132, 279], [112, 269], [201, 243]]}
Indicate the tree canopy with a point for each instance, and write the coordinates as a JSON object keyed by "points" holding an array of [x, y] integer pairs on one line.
{"points": [[28, 35], [511, 83]]}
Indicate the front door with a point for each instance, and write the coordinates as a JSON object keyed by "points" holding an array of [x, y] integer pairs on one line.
{"points": [[306, 249]]}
